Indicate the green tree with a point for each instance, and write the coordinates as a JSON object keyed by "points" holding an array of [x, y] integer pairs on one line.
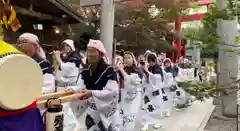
{"points": [[208, 34], [137, 24]]}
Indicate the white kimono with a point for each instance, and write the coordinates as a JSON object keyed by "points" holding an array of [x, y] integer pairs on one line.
{"points": [[167, 102], [152, 98], [66, 76], [48, 78], [177, 95], [101, 111], [48, 83], [131, 100]]}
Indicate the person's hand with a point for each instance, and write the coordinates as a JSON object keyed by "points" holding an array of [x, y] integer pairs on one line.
{"points": [[57, 55], [144, 67], [119, 66], [69, 90], [86, 94]]}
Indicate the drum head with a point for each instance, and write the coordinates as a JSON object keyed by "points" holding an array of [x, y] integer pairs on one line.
{"points": [[21, 80]]}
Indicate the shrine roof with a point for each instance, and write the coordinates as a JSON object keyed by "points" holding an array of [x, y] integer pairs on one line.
{"points": [[55, 8]]}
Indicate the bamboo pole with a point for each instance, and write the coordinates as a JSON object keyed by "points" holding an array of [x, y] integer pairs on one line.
{"points": [[54, 95], [63, 97]]}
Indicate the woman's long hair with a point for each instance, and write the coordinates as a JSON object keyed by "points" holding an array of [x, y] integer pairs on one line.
{"points": [[131, 69], [167, 60]]}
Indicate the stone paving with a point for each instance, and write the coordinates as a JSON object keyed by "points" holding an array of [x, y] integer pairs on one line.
{"points": [[215, 124], [189, 119]]}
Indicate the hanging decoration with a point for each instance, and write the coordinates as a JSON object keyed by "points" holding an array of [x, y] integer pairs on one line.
{"points": [[8, 17]]}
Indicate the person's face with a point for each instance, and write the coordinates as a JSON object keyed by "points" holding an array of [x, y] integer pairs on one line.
{"points": [[181, 60], [93, 55], [128, 60], [141, 58], [167, 64], [27, 47], [66, 48], [151, 63]]}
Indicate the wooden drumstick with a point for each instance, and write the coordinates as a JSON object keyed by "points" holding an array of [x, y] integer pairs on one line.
{"points": [[54, 95], [42, 103]]}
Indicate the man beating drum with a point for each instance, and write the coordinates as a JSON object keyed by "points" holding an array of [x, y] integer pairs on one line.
{"points": [[32, 75], [21, 81], [29, 44]]}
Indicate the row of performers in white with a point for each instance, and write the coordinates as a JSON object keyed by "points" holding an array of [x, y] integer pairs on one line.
{"points": [[106, 107]]}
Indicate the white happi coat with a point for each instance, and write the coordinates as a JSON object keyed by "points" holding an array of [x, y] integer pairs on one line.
{"points": [[101, 111], [66, 76], [131, 97], [152, 98], [176, 95], [48, 78], [167, 94]]}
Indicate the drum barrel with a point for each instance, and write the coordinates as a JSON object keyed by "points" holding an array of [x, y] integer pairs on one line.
{"points": [[2, 106], [15, 68], [54, 116]]}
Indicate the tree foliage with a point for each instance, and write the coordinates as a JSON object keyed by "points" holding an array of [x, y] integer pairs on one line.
{"points": [[208, 34], [137, 23], [141, 27]]}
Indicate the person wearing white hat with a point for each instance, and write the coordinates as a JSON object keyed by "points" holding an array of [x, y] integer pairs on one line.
{"points": [[29, 44], [67, 65], [100, 87]]}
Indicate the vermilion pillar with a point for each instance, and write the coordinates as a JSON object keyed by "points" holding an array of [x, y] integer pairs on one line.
{"points": [[184, 48], [177, 42]]}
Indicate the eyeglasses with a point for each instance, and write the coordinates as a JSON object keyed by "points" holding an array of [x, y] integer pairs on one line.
{"points": [[21, 42]]}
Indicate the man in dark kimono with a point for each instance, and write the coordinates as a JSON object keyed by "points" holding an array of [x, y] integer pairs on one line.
{"points": [[99, 83]]}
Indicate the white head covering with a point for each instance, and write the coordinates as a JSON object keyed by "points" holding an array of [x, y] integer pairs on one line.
{"points": [[167, 60], [148, 51], [34, 40], [185, 60], [97, 44], [70, 43]]}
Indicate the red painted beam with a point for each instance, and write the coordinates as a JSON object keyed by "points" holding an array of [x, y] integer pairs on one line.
{"points": [[193, 17], [204, 2]]}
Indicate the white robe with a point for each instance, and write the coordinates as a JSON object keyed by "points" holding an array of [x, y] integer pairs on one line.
{"points": [[152, 99], [48, 77], [167, 95], [131, 100], [48, 84], [176, 95], [67, 76], [180, 96], [101, 110]]}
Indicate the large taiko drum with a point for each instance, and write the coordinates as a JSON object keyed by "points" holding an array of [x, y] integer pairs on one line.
{"points": [[21, 78]]}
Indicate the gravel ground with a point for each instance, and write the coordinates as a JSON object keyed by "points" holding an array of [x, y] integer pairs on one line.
{"points": [[215, 124]]}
